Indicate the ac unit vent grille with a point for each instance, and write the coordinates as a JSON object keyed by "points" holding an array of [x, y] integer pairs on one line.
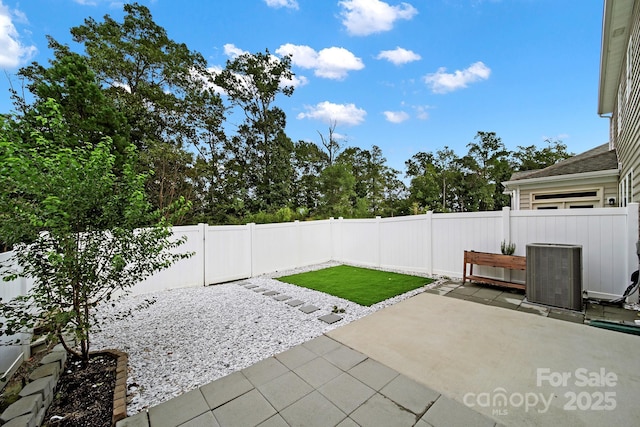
{"points": [[554, 275]]}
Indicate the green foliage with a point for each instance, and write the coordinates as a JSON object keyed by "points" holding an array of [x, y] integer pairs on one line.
{"points": [[532, 158], [507, 248], [73, 222]]}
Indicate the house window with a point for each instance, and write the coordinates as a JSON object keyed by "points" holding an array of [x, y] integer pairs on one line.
{"points": [[581, 198]]}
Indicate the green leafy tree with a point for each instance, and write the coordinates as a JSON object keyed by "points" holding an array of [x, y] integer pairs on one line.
{"points": [[164, 90], [88, 114], [73, 222], [260, 153], [308, 162], [485, 167], [531, 157], [424, 192]]}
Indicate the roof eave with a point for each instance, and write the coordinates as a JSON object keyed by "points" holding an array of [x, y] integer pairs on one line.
{"points": [[616, 15], [562, 178]]}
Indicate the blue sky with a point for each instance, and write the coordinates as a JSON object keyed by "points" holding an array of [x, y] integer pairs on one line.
{"points": [[406, 76]]}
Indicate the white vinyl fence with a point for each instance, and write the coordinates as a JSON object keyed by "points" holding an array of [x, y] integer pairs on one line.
{"points": [[430, 243]]}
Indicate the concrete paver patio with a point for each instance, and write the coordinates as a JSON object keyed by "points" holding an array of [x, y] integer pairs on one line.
{"points": [[433, 361]]}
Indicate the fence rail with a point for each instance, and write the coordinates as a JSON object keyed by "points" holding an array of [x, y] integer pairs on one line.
{"points": [[430, 243]]}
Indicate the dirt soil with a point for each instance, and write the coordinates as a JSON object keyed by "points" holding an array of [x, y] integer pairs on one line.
{"points": [[84, 396]]}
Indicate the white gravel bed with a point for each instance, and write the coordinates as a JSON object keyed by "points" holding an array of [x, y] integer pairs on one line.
{"points": [[181, 339]]}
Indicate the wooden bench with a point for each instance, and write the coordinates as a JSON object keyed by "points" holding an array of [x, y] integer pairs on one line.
{"points": [[511, 262]]}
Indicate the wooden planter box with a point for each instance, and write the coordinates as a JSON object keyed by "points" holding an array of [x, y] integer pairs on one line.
{"points": [[511, 262]]}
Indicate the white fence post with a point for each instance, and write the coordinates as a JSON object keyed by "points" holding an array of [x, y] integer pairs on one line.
{"points": [[633, 238], [378, 242], [298, 243], [252, 230], [202, 230], [428, 245], [506, 237]]}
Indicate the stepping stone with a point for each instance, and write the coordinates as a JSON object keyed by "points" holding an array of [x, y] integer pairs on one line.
{"points": [[271, 293], [330, 318], [260, 290], [251, 286], [309, 309], [295, 302], [282, 297]]}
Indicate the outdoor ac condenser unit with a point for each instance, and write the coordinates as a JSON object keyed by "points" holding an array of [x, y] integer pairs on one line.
{"points": [[554, 275]]}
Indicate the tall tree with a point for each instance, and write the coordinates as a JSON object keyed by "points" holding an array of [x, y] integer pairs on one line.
{"points": [[308, 162], [531, 157], [486, 166], [163, 88], [330, 143], [89, 115], [260, 151]]}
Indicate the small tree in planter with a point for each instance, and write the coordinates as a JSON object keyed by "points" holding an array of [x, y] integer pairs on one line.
{"points": [[74, 221]]}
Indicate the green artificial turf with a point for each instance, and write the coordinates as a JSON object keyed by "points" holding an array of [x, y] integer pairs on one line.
{"points": [[360, 285]]}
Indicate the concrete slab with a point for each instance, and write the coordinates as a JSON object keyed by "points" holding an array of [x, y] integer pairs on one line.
{"points": [[446, 412], [487, 293], [313, 410], [296, 356], [346, 392], [264, 371], [141, 419], [409, 394], [206, 419], [275, 421], [294, 303], [250, 409], [463, 349], [466, 290], [322, 345], [374, 374], [257, 290], [344, 357], [281, 297], [178, 410], [251, 286], [271, 293], [330, 318], [284, 390], [307, 309], [317, 372], [380, 411], [225, 389], [566, 315], [348, 422]]}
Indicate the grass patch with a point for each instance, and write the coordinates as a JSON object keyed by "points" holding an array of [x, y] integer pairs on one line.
{"points": [[360, 285]]}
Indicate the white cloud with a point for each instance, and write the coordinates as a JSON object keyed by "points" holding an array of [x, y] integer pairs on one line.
{"points": [[340, 114], [399, 56], [330, 63], [232, 51], [443, 82], [396, 116], [12, 52], [364, 17], [291, 4], [421, 111]]}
